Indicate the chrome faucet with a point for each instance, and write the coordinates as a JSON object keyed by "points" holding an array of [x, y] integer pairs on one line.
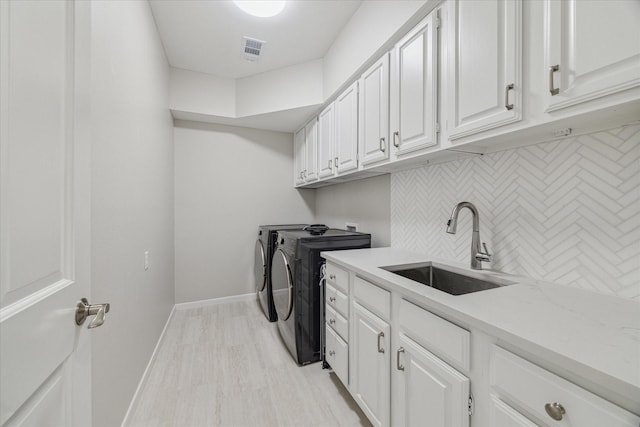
{"points": [[477, 255]]}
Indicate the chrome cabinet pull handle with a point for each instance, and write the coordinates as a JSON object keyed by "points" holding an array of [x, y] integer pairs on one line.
{"points": [[506, 97], [398, 365], [396, 137], [84, 310], [380, 348], [383, 145], [335, 162], [553, 69], [330, 165], [555, 410]]}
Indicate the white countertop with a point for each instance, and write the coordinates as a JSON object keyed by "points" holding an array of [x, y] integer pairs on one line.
{"points": [[593, 336]]}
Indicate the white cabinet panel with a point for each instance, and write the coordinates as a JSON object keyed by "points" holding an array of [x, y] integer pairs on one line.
{"points": [[429, 389], [346, 118], [326, 141], [337, 352], [595, 46], [414, 88], [370, 379], [300, 155], [374, 113], [311, 142], [485, 77], [503, 415]]}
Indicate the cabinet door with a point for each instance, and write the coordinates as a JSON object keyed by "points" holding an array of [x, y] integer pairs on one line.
{"points": [[594, 48], [414, 88], [337, 353], [347, 130], [429, 389], [311, 143], [326, 141], [485, 80], [370, 367], [374, 112], [300, 156]]}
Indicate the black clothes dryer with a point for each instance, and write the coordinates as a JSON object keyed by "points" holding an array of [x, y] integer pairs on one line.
{"points": [[264, 249], [297, 296]]}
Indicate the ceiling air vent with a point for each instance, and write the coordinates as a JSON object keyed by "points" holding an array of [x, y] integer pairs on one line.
{"points": [[251, 48]]}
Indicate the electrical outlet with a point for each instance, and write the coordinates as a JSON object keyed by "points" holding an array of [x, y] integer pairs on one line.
{"points": [[146, 260], [351, 226]]}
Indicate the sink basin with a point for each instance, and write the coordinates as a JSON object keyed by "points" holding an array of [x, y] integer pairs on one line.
{"points": [[444, 280]]}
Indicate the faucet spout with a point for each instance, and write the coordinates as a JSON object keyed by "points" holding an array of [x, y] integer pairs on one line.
{"points": [[477, 255]]}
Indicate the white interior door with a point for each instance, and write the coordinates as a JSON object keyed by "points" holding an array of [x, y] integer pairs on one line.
{"points": [[45, 375]]}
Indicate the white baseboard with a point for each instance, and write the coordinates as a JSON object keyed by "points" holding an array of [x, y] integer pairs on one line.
{"points": [[215, 301], [134, 401]]}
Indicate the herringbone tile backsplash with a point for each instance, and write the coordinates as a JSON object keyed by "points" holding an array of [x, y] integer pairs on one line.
{"points": [[566, 211]]}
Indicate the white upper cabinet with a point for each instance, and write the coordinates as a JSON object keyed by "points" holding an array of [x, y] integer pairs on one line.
{"points": [[346, 124], [484, 70], [311, 142], [592, 49], [374, 113], [326, 142], [414, 88], [300, 156]]}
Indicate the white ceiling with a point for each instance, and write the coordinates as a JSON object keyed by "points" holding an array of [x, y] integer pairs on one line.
{"points": [[206, 35]]}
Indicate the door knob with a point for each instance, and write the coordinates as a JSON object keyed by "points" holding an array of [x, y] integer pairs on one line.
{"points": [[84, 310]]}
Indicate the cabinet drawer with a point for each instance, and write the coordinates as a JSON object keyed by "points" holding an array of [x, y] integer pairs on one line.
{"points": [[440, 336], [337, 355], [338, 323], [373, 297], [337, 300], [532, 388], [338, 277]]}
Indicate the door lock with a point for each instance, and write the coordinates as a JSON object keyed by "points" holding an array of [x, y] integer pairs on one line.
{"points": [[84, 310]]}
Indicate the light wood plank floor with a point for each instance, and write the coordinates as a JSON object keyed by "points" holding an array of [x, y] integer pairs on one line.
{"points": [[226, 365]]}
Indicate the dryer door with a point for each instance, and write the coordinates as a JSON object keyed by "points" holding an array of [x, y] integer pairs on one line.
{"points": [[260, 266], [281, 285]]}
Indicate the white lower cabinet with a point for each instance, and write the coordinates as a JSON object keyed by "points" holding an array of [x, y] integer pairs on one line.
{"points": [[430, 392], [425, 378], [371, 371], [337, 354], [550, 398]]}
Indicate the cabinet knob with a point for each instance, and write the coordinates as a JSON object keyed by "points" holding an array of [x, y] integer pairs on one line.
{"points": [[332, 276], [332, 321], [332, 353], [555, 410], [332, 299]]}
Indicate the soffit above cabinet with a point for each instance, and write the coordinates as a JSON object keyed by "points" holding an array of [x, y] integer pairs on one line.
{"points": [[207, 36]]}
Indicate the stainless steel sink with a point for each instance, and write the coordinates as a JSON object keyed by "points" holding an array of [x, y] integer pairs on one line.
{"points": [[444, 280]]}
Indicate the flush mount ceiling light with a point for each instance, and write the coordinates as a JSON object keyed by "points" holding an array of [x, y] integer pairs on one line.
{"points": [[261, 8]]}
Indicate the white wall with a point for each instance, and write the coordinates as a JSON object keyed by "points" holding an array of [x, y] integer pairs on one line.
{"points": [[565, 211], [202, 93], [373, 24], [283, 89], [365, 202], [228, 181], [132, 200]]}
